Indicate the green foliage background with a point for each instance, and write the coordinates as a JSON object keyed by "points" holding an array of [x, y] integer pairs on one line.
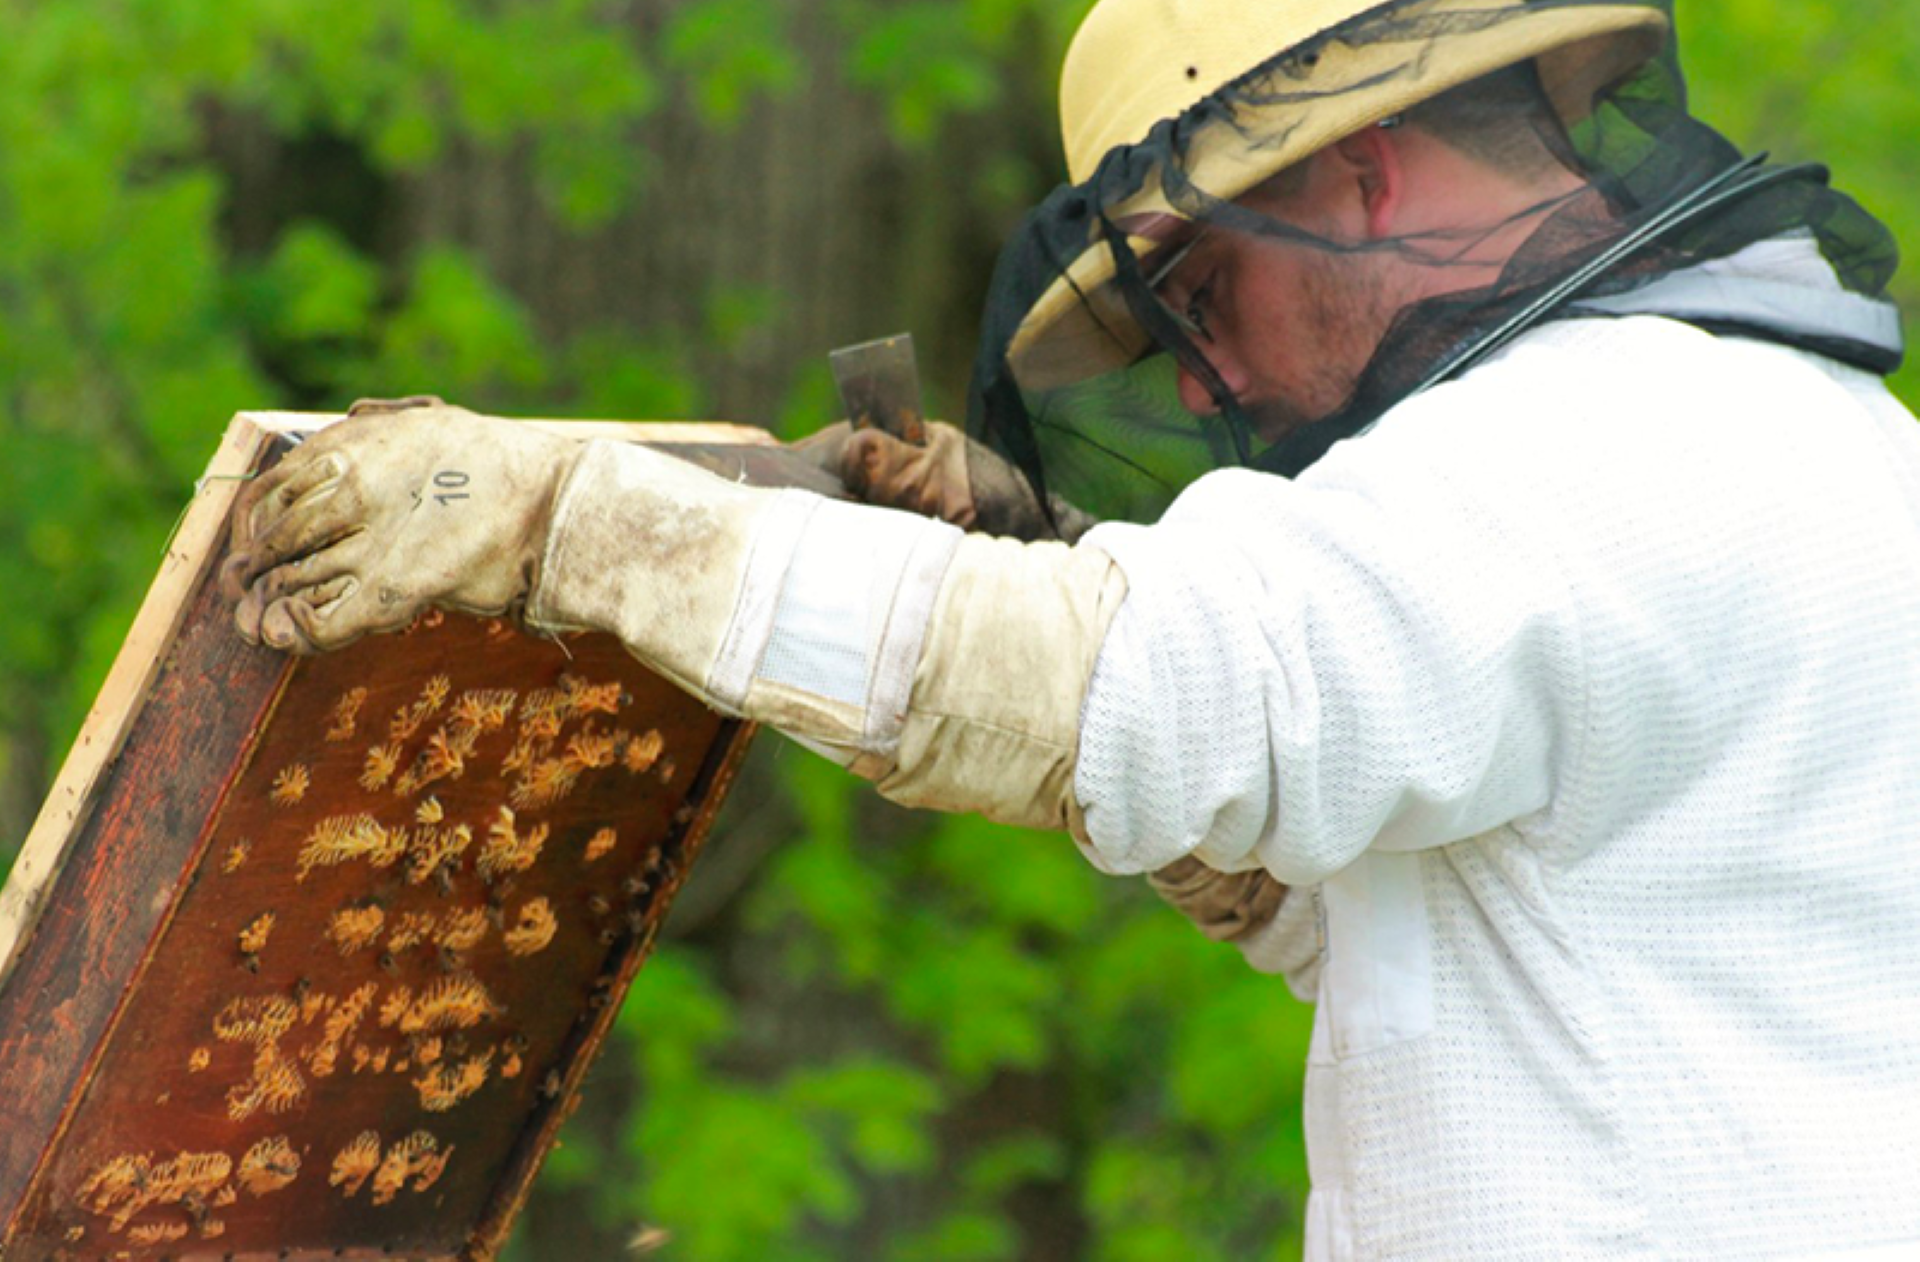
{"points": [[900, 1037]]}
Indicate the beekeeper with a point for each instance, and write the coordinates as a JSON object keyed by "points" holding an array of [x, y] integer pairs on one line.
{"points": [[1538, 690]]}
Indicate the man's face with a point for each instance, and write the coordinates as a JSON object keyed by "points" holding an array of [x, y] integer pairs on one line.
{"points": [[1288, 325]]}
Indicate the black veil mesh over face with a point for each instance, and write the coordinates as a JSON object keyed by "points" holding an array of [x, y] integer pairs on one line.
{"points": [[1660, 192]]}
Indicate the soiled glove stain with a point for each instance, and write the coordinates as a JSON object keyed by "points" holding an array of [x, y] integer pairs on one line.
{"points": [[406, 504]]}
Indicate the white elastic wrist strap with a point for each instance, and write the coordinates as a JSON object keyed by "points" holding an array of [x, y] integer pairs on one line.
{"points": [[831, 620]]}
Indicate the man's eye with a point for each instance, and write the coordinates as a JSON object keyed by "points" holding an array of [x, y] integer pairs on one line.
{"points": [[1195, 315]]}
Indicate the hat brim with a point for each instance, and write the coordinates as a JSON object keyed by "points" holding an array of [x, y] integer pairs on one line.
{"points": [[1080, 327]]}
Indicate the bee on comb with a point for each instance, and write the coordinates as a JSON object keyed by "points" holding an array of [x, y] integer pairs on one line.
{"points": [[408, 719], [591, 749], [290, 785], [356, 928], [433, 850], [445, 757], [444, 1085], [450, 1003], [506, 849], [268, 1166], [346, 714], [484, 709], [643, 751], [464, 929], [157, 1233], [413, 928], [533, 929], [253, 939], [340, 839], [417, 1157], [381, 762], [584, 698], [276, 1086], [545, 783], [355, 1163]]}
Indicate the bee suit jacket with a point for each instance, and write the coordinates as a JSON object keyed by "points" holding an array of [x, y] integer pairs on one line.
{"points": [[1579, 704]]}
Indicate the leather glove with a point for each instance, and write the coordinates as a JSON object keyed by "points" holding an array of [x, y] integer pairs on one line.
{"points": [[952, 478], [406, 504], [1226, 906]]}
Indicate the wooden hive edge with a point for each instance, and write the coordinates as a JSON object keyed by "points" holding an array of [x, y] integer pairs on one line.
{"points": [[189, 554]]}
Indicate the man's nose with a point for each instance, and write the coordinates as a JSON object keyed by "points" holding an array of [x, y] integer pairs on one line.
{"points": [[1193, 394]]}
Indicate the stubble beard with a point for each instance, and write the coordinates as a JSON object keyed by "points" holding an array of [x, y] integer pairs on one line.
{"points": [[1346, 307]]}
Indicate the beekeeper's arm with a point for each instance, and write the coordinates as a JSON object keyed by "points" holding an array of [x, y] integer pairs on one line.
{"points": [[948, 668]]}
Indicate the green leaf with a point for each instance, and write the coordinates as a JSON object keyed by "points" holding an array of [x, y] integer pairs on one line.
{"points": [[1244, 1019], [314, 286], [459, 335], [589, 177], [1004, 1166], [966, 1236], [882, 1107], [824, 883], [735, 313], [927, 61], [675, 1018], [976, 993], [730, 51], [813, 402], [739, 1173], [616, 374], [1017, 876]]}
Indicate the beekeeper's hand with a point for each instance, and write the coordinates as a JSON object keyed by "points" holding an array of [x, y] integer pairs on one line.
{"points": [[952, 478], [406, 504], [1226, 906]]}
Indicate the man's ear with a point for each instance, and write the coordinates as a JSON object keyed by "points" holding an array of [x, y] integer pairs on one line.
{"points": [[1371, 164]]}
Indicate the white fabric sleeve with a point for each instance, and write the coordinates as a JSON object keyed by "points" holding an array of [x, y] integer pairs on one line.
{"points": [[1304, 669]]}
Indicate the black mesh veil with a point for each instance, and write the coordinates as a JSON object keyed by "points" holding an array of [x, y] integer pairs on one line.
{"points": [[1099, 423]]}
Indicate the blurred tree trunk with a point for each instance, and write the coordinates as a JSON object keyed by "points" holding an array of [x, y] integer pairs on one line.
{"points": [[805, 201]]}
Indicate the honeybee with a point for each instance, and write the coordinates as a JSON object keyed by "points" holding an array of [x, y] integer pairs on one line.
{"points": [[290, 785], [253, 939], [353, 1164], [533, 929], [382, 761], [346, 714], [268, 1166], [507, 849]]}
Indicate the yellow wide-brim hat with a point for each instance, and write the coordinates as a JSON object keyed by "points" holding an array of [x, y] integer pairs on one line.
{"points": [[1134, 63]]}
